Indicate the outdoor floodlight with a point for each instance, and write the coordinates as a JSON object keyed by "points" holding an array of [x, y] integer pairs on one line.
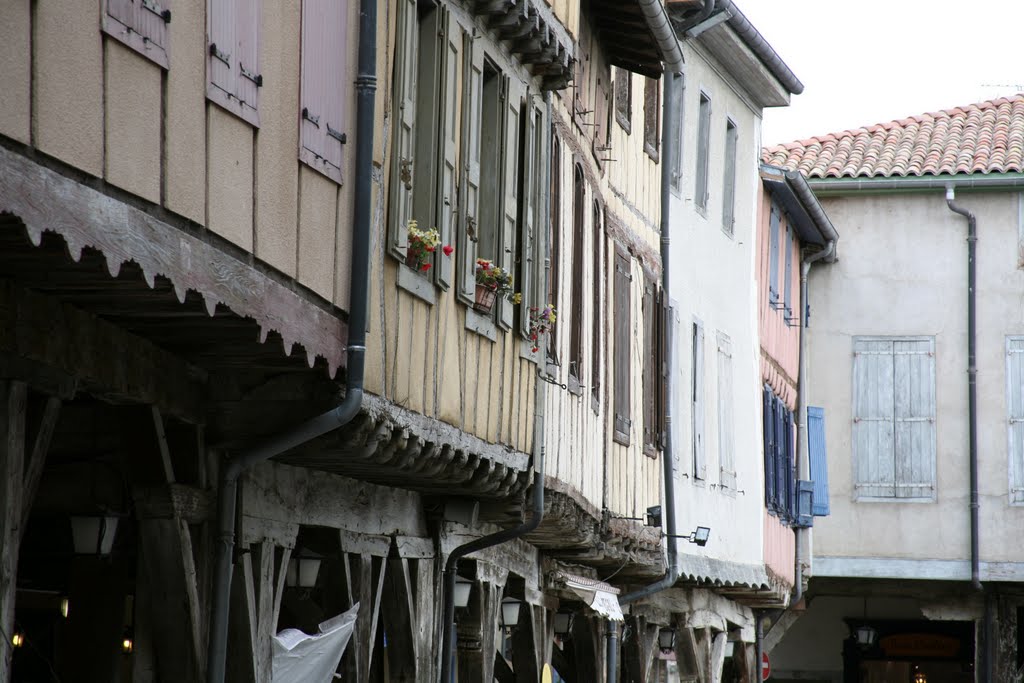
{"points": [[303, 569], [93, 534], [463, 587], [563, 623], [653, 517], [510, 612], [667, 639], [866, 636], [700, 535]]}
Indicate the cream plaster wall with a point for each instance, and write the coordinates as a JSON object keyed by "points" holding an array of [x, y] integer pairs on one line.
{"points": [[902, 271], [67, 64], [132, 121], [713, 280], [15, 76]]}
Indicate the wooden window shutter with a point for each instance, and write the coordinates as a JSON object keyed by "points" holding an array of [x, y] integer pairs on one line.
{"points": [[426, 166], [773, 254], [768, 421], [787, 494], [579, 208], [818, 459], [652, 116], [404, 131], [729, 181], [447, 196], [624, 99], [678, 92], [700, 469], [602, 112], [623, 337], [1015, 415], [472, 117], [914, 403], [703, 153], [650, 372], [323, 86], [554, 239], [233, 57], [787, 275], [142, 25], [597, 304], [873, 426], [529, 164], [726, 437], [514, 93], [663, 338], [781, 475]]}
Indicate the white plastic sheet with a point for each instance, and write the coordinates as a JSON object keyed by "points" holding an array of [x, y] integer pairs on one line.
{"points": [[303, 658]]}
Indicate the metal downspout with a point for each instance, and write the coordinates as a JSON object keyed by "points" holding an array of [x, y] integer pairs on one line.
{"points": [[447, 674], [986, 651], [972, 376], [802, 453], [366, 86]]}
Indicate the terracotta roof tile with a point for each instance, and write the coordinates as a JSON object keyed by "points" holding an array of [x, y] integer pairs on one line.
{"points": [[987, 137]]}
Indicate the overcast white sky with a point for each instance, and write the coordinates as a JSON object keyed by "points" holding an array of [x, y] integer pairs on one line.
{"points": [[871, 61]]}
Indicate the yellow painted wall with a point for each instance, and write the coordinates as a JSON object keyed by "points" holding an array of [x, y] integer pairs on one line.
{"points": [[15, 76]]}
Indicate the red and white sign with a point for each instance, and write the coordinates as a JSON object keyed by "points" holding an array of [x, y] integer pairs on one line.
{"points": [[766, 667]]}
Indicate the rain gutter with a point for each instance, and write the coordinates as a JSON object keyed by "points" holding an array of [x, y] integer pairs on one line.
{"points": [[989, 181], [764, 51], [227, 493]]}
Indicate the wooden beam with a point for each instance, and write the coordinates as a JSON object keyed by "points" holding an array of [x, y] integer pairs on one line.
{"points": [[106, 361], [46, 200], [40, 447], [13, 402]]}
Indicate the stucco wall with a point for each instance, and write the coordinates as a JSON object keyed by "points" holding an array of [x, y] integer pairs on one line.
{"points": [[902, 270], [713, 280]]}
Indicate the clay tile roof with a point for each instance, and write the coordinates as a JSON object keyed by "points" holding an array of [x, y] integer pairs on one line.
{"points": [[987, 137]]}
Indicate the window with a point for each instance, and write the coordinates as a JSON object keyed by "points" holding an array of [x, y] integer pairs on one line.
{"points": [[652, 117], [700, 470], [142, 26], [726, 444], [621, 340], [787, 279], [322, 93], [678, 90], [233, 61], [818, 459], [597, 306], [894, 417], [576, 303], [624, 99], [729, 181], [779, 473], [773, 254], [1015, 415], [653, 371], [703, 141]]}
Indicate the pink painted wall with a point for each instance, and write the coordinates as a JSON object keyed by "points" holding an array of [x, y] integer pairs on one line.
{"points": [[780, 343], [779, 548]]}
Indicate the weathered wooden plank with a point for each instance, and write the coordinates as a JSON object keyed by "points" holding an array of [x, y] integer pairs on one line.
{"points": [[40, 446], [46, 200], [13, 404], [107, 361]]}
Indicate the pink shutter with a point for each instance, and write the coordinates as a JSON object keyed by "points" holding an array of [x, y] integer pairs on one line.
{"points": [[233, 57], [220, 37], [323, 87], [141, 25]]}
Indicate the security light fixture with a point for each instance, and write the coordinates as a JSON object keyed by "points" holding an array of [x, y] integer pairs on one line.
{"points": [[699, 536], [667, 639], [865, 636], [563, 623], [303, 569], [127, 641], [463, 587], [510, 613], [18, 639], [919, 676], [653, 517], [93, 534]]}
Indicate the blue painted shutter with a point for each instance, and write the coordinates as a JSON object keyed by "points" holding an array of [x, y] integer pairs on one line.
{"points": [[818, 459], [781, 480], [791, 500], [768, 406]]}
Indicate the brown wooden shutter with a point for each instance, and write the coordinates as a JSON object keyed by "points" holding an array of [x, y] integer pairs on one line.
{"points": [[402, 177], [622, 339], [472, 114], [652, 116], [624, 99], [233, 57], [323, 86], [576, 333], [531, 158], [650, 371], [597, 306], [142, 25]]}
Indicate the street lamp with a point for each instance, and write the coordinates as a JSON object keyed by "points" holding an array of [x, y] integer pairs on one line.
{"points": [[667, 639], [865, 636], [563, 624], [510, 613], [303, 569], [93, 534], [463, 587]]}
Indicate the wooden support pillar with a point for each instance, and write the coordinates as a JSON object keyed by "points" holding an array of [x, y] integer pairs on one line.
{"points": [[528, 643], [256, 603], [365, 575], [475, 647], [23, 447], [409, 613], [639, 649], [587, 649]]}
